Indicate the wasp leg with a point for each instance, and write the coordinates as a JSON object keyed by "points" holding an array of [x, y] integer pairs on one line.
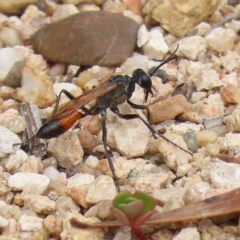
{"points": [[152, 130], [104, 139], [136, 106], [68, 94]]}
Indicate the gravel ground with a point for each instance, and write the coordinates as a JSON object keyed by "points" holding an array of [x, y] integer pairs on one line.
{"points": [[194, 103]]}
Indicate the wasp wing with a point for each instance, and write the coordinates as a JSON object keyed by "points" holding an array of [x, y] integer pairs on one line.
{"points": [[82, 100]]}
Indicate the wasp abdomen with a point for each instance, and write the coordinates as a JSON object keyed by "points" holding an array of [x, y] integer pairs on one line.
{"points": [[56, 127]]}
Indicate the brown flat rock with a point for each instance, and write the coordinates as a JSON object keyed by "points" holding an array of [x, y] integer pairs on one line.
{"points": [[88, 38]]}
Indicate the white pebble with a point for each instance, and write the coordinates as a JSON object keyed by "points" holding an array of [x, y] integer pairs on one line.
{"points": [[52, 173], [63, 11], [8, 56], [221, 39], [156, 47], [230, 61], [225, 175], [190, 233], [10, 37], [143, 36], [23, 181], [57, 69], [30, 223], [190, 47]]}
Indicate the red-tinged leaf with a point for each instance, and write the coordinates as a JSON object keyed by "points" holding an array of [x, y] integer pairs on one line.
{"points": [[149, 202], [133, 210], [227, 204], [120, 216]]}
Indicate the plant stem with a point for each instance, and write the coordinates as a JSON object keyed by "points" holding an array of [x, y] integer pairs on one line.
{"points": [[139, 233]]}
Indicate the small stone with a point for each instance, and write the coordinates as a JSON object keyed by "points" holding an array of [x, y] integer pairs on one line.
{"points": [[206, 136], [225, 175], [78, 194], [71, 232], [73, 89], [36, 88], [13, 7], [10, 37], [191, 141], [8, 56], [15, 160], [122, 133], [190, 233], [229, 143], [178, 18], [88, 141], [203, 28], [63, 11], [213, 122], [217, 233], [230, 79], [23, 181], [163, 233], [39, 204], [143, 36], [91, 124], [174, 157], [233, 120], [168, 108], [103, 210], [209, 79], [165, 195], [66, 149], [92, 31], [66, 204], [230, 61], [230, 94], [190, 47], [102, 188], [226, 35], [14, 76], [11, 120], [124, 167], [156, 47], [78, 2], [53, 225], [32, 164], [7, 141], [6, 92], [10, 229], [151, 181], [3, 222], [80, 180], [9, 211], [92, 161], [234, 25], [57, 187], [213, 106], [136, 61], [30, 223], [52, 173]]}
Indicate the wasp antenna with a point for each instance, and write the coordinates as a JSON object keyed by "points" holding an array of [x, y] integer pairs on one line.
{"points": [[25, 142], [171, 57]]}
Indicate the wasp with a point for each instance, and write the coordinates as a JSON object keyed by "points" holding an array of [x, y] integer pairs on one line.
{"points": [[108, 95]]}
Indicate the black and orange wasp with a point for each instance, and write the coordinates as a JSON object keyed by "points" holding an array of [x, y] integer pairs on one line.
{"points": [[108, 95]]}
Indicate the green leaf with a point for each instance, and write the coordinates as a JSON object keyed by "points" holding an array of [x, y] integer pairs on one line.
{"points": [[120, 200], [149, 202]]}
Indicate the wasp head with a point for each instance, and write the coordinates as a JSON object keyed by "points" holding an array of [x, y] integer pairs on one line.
{"points": [[140, 77]]}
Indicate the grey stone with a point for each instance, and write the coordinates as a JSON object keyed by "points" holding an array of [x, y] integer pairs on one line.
{"points": [[88, 38]]}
